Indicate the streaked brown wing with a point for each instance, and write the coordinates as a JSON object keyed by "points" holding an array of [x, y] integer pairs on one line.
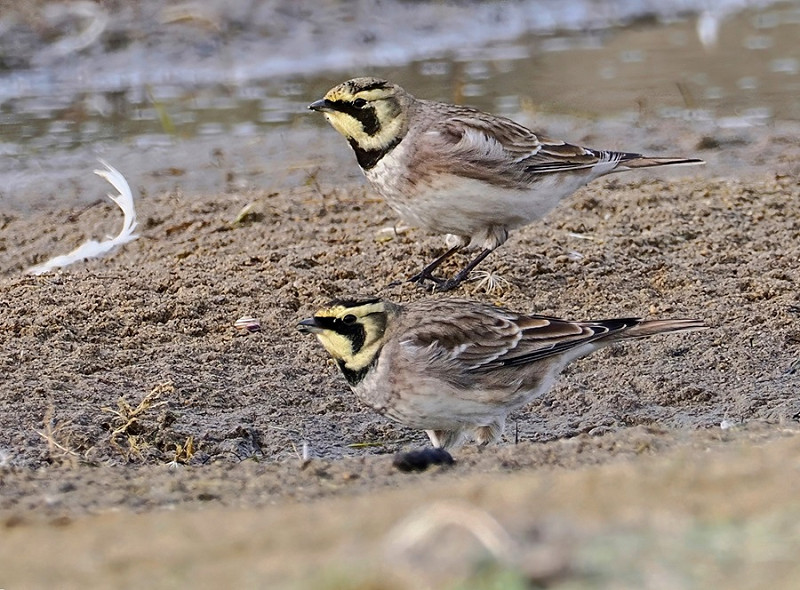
{"points": [[557, 336], [465, 338], [478, 338], [497, 150]]}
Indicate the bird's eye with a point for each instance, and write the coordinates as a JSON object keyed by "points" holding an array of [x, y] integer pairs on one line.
{"points": [[349, 319], [359, 103]]}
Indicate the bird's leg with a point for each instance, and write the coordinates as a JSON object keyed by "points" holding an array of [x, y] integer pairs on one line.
{"points": [[426, 273], [446, 439], [450, 284], [485, 435], [435, 436]]}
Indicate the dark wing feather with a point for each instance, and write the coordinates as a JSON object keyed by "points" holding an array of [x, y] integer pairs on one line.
{"points": [[563, 157], [557, 336], [473, 338], [473, 144]]}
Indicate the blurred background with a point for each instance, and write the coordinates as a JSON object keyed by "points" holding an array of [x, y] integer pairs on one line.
{"points": [[211, 96]]}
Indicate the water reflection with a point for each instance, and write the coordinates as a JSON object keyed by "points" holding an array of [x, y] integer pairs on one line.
{"points": [[750, 71], [730, 72]]}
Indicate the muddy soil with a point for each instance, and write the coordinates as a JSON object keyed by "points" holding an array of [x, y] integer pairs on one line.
{"points": [[128, 391]]}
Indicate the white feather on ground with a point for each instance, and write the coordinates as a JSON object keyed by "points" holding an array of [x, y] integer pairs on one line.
{"points": [[93, 248]]}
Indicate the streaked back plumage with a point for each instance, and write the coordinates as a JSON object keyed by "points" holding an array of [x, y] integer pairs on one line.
{"points": [[454, 367], [459, 171]]}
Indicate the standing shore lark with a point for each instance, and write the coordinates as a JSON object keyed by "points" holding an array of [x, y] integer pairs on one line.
{"points": [[457, 368], [458, 171]]}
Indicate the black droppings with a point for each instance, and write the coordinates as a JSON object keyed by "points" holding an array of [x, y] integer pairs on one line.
{"points": [[422, 459]]}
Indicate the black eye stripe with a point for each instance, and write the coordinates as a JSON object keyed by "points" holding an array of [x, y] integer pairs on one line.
{"points": [[354, 332], [325, 322], [365, 115], [357, 336]]}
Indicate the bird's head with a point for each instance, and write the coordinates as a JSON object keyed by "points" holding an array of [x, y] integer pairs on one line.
{"points": [[352, 331], [371, 113]]}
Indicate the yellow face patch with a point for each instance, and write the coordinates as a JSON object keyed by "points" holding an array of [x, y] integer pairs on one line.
{"points": [[368, 112], [352, 332]]}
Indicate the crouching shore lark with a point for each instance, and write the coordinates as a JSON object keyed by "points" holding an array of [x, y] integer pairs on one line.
{"points": [[457, 368], [458, 171]]}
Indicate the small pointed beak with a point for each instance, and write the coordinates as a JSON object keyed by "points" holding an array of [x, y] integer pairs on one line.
{"points": [[309, 326], [322, 105]]}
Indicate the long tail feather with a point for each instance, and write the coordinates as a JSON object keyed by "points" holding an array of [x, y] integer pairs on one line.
{"points": [[651, 327], [647, 162]]}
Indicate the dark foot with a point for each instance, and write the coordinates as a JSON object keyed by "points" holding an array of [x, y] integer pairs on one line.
{"points": [[449, 284], [426, 274], [437, 285], [423, 276], [427, 282], [422, 459], [419, 278], [442, 285]]}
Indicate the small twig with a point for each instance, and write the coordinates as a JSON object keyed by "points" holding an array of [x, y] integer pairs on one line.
{"points": [[304, 455], [50, 434], [52, 442], [366, 444]]}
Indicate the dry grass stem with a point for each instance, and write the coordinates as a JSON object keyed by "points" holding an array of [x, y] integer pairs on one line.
{"points": [[128, 416], [51, 432]]}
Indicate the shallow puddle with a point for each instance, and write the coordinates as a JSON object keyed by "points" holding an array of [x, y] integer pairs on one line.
{"points": [[727, 72]]}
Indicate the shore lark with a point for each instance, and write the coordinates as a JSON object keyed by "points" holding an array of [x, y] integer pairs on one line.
{"points": [[457, 368], [458, 171]]}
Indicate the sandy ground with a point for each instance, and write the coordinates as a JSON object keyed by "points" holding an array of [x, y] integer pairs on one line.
{"points": [[144, 440]]}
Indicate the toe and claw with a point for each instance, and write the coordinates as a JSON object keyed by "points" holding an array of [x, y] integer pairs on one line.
{"points": [[443, 285]]}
